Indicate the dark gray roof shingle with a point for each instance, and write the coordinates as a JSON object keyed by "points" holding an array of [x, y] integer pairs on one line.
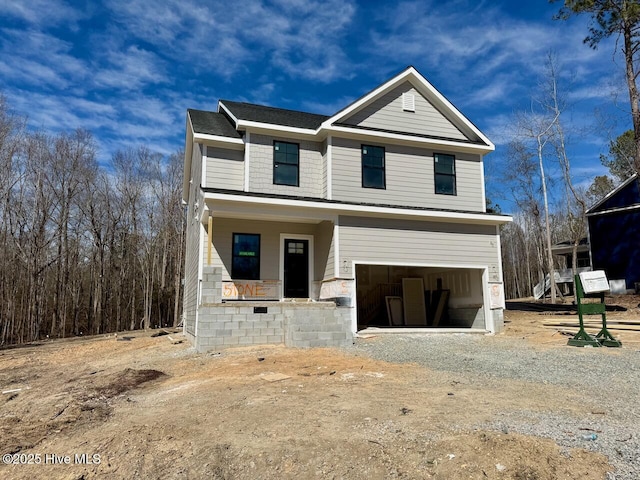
{"points": [[274, 116], [212, 123]]}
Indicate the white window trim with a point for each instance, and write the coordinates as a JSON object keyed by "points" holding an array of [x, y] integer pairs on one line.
{"points": [[247, 149], [329, 168], [203, 170], [336, 247]]}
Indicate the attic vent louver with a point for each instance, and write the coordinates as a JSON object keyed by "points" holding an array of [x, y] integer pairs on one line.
{"points": [[408, 102]]}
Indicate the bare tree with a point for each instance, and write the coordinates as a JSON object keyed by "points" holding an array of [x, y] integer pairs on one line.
{"points": [[620, 18], [576, 198], [535, 128]]}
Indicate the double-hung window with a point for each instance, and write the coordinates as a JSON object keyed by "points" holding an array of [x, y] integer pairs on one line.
{"points": [[286, 163], [445, 173], [373, 175], [245, 264]]}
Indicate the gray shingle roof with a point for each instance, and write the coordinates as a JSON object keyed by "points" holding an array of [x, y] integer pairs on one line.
{"points": [[274, 116], [212, 123]]}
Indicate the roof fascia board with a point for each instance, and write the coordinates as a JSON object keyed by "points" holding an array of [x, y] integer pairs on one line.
{"points": [[228, 112], [615, 210], [368, 98], [398, 138], [612, 193], [268, 127], [364, 210], [215, 140], [188, 152], [272, 127]]}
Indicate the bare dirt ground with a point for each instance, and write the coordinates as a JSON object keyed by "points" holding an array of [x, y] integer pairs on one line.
{"points": [[147, 408]]}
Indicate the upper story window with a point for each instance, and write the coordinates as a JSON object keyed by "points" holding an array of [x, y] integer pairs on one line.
{"points": [[445, 173], [246, 256], [286, 163], [373, 175]]}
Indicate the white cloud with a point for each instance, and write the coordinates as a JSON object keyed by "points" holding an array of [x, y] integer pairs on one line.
{"points": [[35, 58], [130, 69], [41, 12], [300, 38], [62, 112], [153, 110], [486, 50]]}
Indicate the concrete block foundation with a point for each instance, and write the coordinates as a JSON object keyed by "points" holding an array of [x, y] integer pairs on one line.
{"points": [[296, 324]]}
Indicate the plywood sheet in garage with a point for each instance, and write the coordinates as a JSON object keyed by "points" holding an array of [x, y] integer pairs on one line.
{"points": [[415, 312]]}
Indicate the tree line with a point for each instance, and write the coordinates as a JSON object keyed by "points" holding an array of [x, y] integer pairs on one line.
{"points": [[85, 248]]}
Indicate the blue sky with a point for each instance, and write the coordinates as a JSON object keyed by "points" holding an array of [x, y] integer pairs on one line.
{"points": [[127, 70]]}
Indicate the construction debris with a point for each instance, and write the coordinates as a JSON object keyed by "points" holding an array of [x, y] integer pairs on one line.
{"points": [[274, 377]]}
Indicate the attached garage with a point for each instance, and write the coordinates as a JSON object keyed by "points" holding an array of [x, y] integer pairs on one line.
{"points": [[415, 296], [422, 273]]}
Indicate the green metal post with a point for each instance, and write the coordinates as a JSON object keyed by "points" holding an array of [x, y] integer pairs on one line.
{"points": [[604, 337], [582, 338]]}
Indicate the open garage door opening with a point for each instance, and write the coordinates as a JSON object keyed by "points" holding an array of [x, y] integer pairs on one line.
{"points": [[431, 297]]}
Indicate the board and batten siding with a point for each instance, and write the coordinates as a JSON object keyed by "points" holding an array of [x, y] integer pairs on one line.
{"points": [[224, 168], [194, 236], [386, 113], [261, 168], [409, 175], [415, 243], [270, 254]]}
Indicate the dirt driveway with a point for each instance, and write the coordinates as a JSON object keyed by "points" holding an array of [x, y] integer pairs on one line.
{"points": [[146, 408]]}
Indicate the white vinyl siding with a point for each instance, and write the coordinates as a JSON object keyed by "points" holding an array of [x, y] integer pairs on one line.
{"points": [[383, 241], [310, 165], [194, 236], [409, 178], [224, 168], [387, 113]]}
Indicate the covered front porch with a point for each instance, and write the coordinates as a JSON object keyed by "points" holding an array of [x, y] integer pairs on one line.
{"points": [[277, 256], [264, 278]]}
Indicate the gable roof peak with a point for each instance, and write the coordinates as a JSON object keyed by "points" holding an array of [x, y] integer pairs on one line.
{"points": [[426, 89]]}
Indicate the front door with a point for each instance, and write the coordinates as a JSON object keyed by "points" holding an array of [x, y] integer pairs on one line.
{"points": [[296, 268]]}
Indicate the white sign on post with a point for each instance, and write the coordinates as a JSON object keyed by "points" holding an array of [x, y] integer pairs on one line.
{"points": [[594, 282]]}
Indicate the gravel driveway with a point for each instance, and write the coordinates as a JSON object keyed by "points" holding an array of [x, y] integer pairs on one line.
{"points": [[606, 380]]}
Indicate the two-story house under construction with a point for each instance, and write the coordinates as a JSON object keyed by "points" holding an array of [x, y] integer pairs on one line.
{"points": [[304, 229]]}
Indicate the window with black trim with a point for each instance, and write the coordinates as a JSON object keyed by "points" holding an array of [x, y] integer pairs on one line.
{"points": [[445, 173], [245, 264], [286, 163], [373, 175]]}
